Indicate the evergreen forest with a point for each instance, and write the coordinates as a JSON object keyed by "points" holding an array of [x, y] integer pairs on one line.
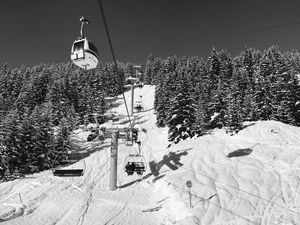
{"points": [[194, 96], [41, 105]]}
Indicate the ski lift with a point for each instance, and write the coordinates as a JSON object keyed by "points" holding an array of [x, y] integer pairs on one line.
{"points": [[135, 163], [84, 53], [140, 84], [127, 137], [138, 105], [93, 135], [69, 172]]}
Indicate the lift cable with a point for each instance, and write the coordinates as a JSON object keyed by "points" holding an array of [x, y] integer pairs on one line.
{"points": [[113, 54]]}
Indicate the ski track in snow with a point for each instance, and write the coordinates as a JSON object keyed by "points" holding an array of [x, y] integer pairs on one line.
{"points": [[261, 187]]}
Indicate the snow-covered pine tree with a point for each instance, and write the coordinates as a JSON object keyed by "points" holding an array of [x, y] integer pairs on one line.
{"points": [[271, 65], [262, 99], [234, 114], [250, 59], [221, 73], [9, 142], [213, 77], [213, 70], [39, 88], [201, 124], [148, 69], [181, 115], [26, 148], [43, 138], [248, 103], [61, 143], [159, 104], [288, 94], [156, 71]]}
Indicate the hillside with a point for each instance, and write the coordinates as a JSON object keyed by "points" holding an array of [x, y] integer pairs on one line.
{"points": [[249, 178]]}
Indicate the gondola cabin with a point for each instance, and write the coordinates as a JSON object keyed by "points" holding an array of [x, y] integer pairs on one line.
{"points": [[84, 54]]}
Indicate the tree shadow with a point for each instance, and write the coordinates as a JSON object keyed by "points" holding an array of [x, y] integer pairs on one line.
{"points": [[115, 104], [135, 181], [75, 157], [248, 125], [145, 110], [158, 177], [153, 209], [172, 160], [240, 152], [95, 149]]}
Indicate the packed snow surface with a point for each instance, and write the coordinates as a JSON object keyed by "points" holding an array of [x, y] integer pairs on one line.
{"points": [[248, 178]]}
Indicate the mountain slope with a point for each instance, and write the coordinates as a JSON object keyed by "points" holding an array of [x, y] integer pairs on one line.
{"points": [[249, 178]]}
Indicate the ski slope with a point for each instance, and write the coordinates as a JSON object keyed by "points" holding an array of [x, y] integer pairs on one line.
{"points": [[249, 178]]}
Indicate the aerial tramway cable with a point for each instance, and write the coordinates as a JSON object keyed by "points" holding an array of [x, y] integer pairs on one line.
{"points": [[112, 52]]}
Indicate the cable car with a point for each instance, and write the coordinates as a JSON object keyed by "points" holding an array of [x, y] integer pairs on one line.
{"points": [[83, 52], [62, 171]]}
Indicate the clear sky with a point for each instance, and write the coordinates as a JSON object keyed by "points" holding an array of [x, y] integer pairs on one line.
{"points": [[40, 31]]}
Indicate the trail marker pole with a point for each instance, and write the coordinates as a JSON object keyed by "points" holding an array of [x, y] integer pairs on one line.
{"points": [[189, 185], [20, 198], [113, 160]]}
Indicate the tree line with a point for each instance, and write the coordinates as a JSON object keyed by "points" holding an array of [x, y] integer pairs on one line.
{"points": [[40, 105], [194, 96]]}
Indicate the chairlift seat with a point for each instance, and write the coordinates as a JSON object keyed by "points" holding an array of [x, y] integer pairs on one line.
{"points": [[138, 107], [138, 167], [68, 172]]}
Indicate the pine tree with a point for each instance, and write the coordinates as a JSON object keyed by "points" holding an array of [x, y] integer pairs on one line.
{"points": [[181, 116], [148, 69], [234, 114], [160, 105], [201, 124], [43, 137]]}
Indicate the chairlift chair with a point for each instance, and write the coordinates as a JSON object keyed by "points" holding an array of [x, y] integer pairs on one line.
{"points": [[140, 84], [138, 106], [127, 137], [135, 163], [68, 172]]}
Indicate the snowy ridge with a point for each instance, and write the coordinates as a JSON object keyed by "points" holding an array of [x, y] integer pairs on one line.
{"points": [[249, 178]]}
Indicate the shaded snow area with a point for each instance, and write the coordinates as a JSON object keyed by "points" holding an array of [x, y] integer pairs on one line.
{"points": [[249, 178]]}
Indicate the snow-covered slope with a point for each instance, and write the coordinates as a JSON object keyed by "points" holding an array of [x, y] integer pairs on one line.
{"points": [[250, 178]]}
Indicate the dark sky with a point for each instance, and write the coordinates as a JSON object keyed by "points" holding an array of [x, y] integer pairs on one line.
{"points": [[40, 31]]}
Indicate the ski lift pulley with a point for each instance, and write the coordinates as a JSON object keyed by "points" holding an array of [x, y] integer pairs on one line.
{"points": [[84, 53]]}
